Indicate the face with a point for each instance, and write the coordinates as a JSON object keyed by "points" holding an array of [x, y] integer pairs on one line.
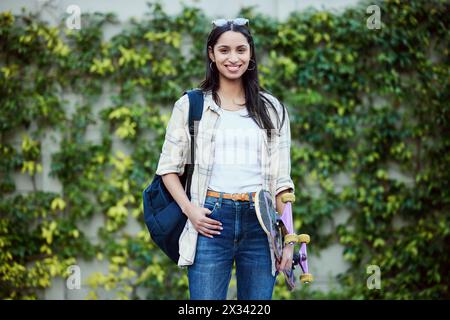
{"points": [[231, 54]]}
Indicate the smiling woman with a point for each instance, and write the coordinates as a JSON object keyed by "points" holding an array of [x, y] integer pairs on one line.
{"points": [[232, 62], [222, 226]]}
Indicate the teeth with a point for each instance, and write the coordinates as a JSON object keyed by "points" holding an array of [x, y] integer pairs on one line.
{"points": [[233, 68]]}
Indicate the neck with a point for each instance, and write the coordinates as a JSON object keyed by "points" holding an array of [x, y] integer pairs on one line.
{"points": [[232, 89]]}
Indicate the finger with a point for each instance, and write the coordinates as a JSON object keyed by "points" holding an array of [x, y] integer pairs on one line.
{"points": [[287, 266], [201, 230], [278, 265], [286, 263], [211, 221], [212, 229], [212, 226], [206, 232], [283, 264]]}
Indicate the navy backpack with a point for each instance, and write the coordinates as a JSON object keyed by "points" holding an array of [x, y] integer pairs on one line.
{"points": [[163, 216]]}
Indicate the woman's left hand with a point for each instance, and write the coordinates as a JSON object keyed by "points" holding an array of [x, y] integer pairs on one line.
{"points": [[286, 261]]}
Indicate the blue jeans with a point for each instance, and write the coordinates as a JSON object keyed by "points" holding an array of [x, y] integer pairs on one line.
{"points": [[243, 241]]}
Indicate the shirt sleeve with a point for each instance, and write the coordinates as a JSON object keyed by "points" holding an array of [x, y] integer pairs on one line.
{"points": [[284, 181], [176, 143]]}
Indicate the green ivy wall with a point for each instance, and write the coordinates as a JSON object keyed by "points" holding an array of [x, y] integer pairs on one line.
{"points": [[368, 105]]}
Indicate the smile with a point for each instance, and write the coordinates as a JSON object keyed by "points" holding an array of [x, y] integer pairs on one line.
{"points": [[233, 68]]}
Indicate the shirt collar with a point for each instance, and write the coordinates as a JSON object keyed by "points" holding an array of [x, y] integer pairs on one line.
{"points": [[210, 103]]}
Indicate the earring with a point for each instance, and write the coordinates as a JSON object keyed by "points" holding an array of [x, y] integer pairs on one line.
{"points": [[254, 66], [210, 65]]}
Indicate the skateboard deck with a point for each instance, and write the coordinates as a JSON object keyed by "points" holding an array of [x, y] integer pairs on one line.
{"points": [[275, 228]]}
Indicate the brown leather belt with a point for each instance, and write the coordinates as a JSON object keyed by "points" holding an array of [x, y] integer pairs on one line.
{"points": [[233, 196]]}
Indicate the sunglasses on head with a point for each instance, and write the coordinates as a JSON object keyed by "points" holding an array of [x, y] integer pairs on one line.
{"points": [[224, 22]]}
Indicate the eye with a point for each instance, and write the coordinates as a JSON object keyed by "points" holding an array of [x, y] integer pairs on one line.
{"points": [[223, 51]]}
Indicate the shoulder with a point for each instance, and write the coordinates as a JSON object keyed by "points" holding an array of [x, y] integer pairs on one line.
{"points": [[182, 103], [180, 111], [273, 100], [278, 112]]}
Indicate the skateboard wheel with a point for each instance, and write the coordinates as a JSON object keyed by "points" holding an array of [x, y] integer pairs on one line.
{"points": [[288, 197], [306, 278], [290, 238], [303, 238]]}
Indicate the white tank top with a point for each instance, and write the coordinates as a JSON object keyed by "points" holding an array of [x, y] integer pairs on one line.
{"points": [[237, 156]]}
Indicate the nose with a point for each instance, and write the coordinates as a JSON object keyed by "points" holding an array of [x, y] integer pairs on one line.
{"points": [[233, 58]]}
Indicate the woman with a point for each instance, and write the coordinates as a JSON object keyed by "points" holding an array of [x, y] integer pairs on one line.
{"points": [[242, 145]]}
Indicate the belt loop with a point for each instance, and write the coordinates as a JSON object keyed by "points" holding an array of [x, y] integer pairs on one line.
{"points": [[250, 199], [220, 199]]}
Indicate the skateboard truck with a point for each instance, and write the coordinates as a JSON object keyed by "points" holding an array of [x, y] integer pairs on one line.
{"points": [[301, 258]]}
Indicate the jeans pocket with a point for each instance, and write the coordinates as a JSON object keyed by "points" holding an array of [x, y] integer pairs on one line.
{"points": [[209, 202], [212, 207]]}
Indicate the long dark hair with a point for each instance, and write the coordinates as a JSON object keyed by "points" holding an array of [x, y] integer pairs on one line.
{"points": [[256, 102]]}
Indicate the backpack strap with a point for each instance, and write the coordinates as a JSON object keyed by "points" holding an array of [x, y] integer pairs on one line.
{"points": [[195, 115]]}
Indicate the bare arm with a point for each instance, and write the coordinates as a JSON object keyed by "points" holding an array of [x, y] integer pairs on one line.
{"points": [[176, 190]]}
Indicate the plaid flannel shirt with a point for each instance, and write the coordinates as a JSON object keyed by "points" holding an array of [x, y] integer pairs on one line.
{"points": [[275, 159]]}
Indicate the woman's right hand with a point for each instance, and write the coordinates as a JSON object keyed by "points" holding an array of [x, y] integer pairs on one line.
{"points": [[204, 225]]}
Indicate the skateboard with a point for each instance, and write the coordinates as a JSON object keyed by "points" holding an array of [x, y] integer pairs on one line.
{"points": [[279, 230]]}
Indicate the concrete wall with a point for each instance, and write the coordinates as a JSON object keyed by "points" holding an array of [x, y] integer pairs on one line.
{"points": [[279, 9], [324, 266]]}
